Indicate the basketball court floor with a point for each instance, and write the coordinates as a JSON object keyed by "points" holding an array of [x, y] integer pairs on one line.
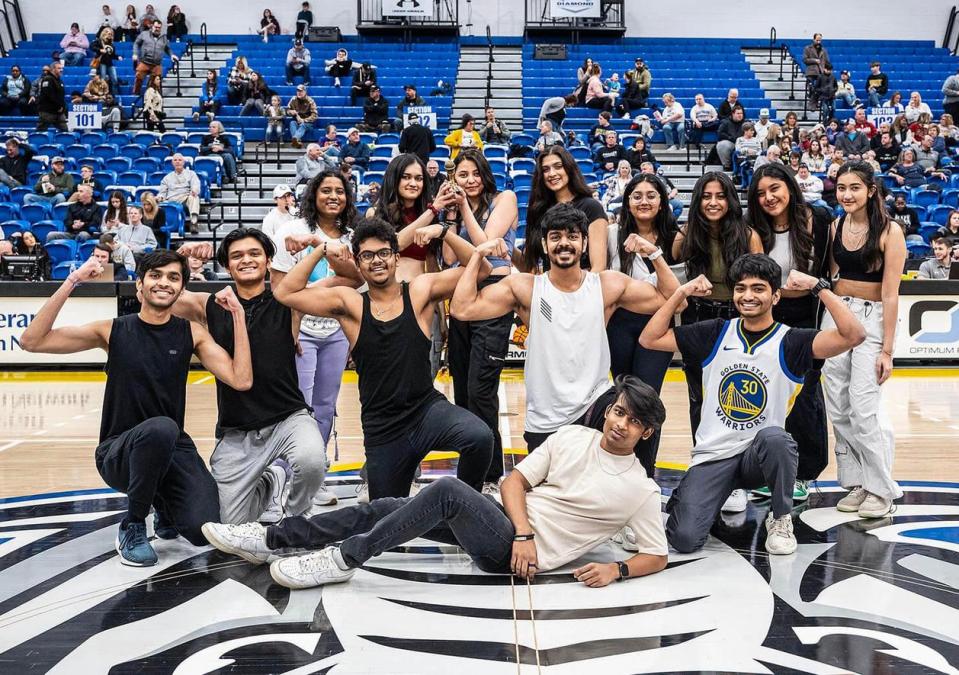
{"points": [[858, 596]]}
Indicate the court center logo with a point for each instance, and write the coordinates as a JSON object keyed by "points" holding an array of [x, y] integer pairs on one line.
{"points": [[742, 396]]}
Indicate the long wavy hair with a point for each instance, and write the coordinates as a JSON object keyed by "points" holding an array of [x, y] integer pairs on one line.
{"points": [[309, 212], [486, 178], [390, 207], [733, 233], [541, 198], [663, 224], [878, 217], [797, 215]]}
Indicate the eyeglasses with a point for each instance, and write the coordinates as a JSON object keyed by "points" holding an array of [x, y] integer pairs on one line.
{"points": [[637, 197], [382, 254]]}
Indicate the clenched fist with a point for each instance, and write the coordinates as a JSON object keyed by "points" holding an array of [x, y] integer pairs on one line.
{"points": [[227, 299]]}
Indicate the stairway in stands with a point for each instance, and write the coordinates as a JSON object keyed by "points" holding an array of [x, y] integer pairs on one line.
{"points": [[776, 90], [506, 90], [192, 74]]}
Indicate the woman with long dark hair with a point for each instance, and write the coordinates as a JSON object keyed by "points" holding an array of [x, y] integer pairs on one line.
{"points": [[209, 103], [796, 236], [477, 349], [326, 212], [868, 253], [646, 225], [557, 178]]}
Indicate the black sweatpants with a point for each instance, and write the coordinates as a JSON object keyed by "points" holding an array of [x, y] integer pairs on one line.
{"points": [[156, 464]]}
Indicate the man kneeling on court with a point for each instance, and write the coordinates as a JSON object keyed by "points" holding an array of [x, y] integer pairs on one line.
{"points": [[582, 487], [753, 369]]}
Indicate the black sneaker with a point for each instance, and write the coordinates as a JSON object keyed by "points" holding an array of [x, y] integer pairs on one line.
{"points": [[163, 529]]}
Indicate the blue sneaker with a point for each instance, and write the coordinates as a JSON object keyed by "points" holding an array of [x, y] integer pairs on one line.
{"points": [[162, 528], [134, 547]]}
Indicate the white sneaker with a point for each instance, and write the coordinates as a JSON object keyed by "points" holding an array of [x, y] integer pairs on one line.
{"points": [[415, 489], [874, 506], [336, 82], [491, 489], [324, 497], [852, 501], [625, 116], [273, 513], [363, 493], [307, 571], [736, 502], [780, 539], [247, 540], [626, 538]]}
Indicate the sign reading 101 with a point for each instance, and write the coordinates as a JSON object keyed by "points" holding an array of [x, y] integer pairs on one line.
{"points": [[85, 116]]}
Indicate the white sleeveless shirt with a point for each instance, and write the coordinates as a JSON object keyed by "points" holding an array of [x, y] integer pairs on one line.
{"points": [[567, 355], [746, 388]]}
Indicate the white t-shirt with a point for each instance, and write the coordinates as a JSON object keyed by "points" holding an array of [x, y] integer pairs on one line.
{"points": [[273, 220], [675, 109], [638, 271], [583, 495], [703, 113], [284, 261]]}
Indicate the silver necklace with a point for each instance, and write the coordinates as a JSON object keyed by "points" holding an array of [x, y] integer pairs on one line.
{"points": [[599, 459]]}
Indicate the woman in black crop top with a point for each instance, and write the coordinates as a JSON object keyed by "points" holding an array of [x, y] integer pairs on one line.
{"points": [[868, 254], [796, 236]]}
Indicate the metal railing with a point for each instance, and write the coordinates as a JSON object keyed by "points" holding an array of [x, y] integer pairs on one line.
{"points": [[438, 14], [950, 24], [782, 59], [489, 67], [265, 146], [189, 49], [772, 42], [13, 21], [203, 36]]}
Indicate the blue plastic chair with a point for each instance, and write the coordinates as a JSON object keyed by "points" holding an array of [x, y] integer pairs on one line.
{"points": [[62, 270], [9, 211], [18, 193], [378, 164], [523, 164], [76, 151], [159, 152], [60, 212], [85, 250], [495, 152], [12, 227], [389, 138], [132, 151], [580, 152], [105, 151], [522, 180], [42, 229], [131, 178], [918, 250], [93, 138], [118, 164], [34, 213], [175, 217], [523, 140], [925, 197], [128, 190], [927, 230], [51, 150], [210, 166], [62, 251], [65, 138], [144, 138], [939, 214], [148, 164], [119, 138], [950, 197], [383, 151], [372, 177]]}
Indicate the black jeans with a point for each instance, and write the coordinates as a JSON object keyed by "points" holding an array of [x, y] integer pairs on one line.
{"points": [[701, 309], [156, 464], [390, 467], [807, 420], [477, 354], [628, 357], [447, 511], [696, 133]]}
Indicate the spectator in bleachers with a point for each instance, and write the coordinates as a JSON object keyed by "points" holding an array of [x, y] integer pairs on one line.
{"points": [[895, 101], [275, 114], [642, 79], [130, 27], [951, 229], [616, 184], [153, 113], [433, 179], [304, 19], [104, 55], [900, 130], [86, 178], [583, 73], [547, 138], [597, 134], [810, 186], [943, 255], [311, 163], [853, 143], [153, 215], [792, 166], [877, 84], [107, 19], [915, 108], [96, 90], [302, 110], [115, 214], [640, 153], [122, 257], [52, 187], [51, 99], [730, 129], [772, 156], [103, 254], [611, 153], [83, 218], [863, 124], [298, 63], [845, 90], [182, 186], [410, 98], [790, 127], [905, 215], [748, 147], [257, 96], [218, 144], [364, 78], [376, 112], [199, 271], [339, 66], [355, 152], [816, 59], [814, 157], [14, 163], [672, 194], [135, 235], [176, 27], [113, 118], [283, 211], [876, 140], [870, 158], [238, 81], [672, 119], [703, 117], [554, 110], [596, 96], [74, 46], [268, 25], [209, 103], [346, 172], [148, 18], [15, 93], [417, 139], [928, 158], [148, 51], [464, 137], [494, 130], [330, 141], [730, 103], [909, 173], [27, 244], [950, 93], [887, 153]]}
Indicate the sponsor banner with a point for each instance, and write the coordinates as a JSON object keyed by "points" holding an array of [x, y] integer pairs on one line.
{"points": [[928, 327], [418, 8], [18, 312], [574, 8]]}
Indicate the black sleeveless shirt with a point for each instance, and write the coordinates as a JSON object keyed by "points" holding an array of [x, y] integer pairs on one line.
{"points": [[147, 366], [275, 394], [393, 364], [851, 264]]}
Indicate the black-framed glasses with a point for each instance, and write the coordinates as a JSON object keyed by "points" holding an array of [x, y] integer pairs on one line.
{"points": [[382, 254]]}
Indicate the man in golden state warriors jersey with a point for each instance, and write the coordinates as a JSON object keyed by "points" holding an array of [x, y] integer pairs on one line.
{"points": [[753, 368]]}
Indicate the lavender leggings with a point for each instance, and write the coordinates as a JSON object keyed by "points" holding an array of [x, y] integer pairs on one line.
{"points": [[319, 371]]}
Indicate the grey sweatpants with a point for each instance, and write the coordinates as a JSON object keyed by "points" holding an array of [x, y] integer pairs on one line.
{"points": [[241, 458], [770, 460]]}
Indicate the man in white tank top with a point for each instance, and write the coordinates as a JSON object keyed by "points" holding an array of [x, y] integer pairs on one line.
{"points": [[753, 369], [566, 310]]}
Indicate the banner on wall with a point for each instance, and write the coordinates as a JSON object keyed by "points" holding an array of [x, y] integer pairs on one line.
{"points": [[928, 327], [18, 312], [574, 9], [880, 115], [417, 8]]}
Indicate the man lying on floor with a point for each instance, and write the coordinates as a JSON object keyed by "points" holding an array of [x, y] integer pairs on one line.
{"points": [[558, 505]]}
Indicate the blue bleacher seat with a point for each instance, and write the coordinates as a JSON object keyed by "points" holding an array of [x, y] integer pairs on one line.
{"points": [[105, 151], [62, 270], [75, 151], [51, 150], [132, 151], [12, 227], [65, 138], [34, 213], [442, 152], [38, 138], [580, 152], [119, 139], [60, 212], [128, 190], [188, 150], [148, 164], [85, 250], [495, 151], [159, 152], [133, 178], [389, 138], [524, 140], [62, 250], [372, 177], [9, 211], [950, 197], [18, 193], [93, 138], [175, 217], [378, 164], [36, 165], [938, 214], [383, 151], [172, 138], [927, 230], [118, 164], [144, 138], [211, 166], [918, 249], [95, 162], [45, 227], [523, 164], [925, 197], [522, 180]]}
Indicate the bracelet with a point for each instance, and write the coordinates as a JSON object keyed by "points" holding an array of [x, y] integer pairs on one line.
{"points": [[655, 255], [324, 249], [436, 211], [524, 537], [446, 228], [72, 281]]}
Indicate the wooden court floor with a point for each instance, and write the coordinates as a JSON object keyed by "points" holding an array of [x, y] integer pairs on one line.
{"points": [[49, 423]]}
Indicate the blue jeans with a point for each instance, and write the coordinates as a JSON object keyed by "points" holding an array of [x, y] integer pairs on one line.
{"points": [[73, 58], [874, 100], [677, 207], [675, 133], [109, 73], [52, 200], [298, 129], [229, 164], [849, 99], [299, 69], [448, 511]]}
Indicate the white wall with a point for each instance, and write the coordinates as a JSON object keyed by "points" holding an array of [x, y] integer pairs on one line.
{"points": [[880, 19]]}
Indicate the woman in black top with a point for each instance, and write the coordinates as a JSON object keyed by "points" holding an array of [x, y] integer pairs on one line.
{"points": [[257, 96], [27, 244], [557, 178], [640, 153], [269, 25], [175, 24], [104, 49], [796, 236]]}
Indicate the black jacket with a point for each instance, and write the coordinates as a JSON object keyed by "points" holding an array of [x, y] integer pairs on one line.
{"points": [[90, 214], [375, 112], [16, 167], [730, 130], [606, 155], [418, 140], [52, 98]]}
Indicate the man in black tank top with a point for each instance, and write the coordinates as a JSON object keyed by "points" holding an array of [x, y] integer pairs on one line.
{"points": [[143, 448], [403, 416], [266, 437]]}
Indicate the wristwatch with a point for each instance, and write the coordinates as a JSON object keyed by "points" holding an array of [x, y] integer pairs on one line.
{"points": [[623, 570], [658, 253], [821, 286], [446, 228]]}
